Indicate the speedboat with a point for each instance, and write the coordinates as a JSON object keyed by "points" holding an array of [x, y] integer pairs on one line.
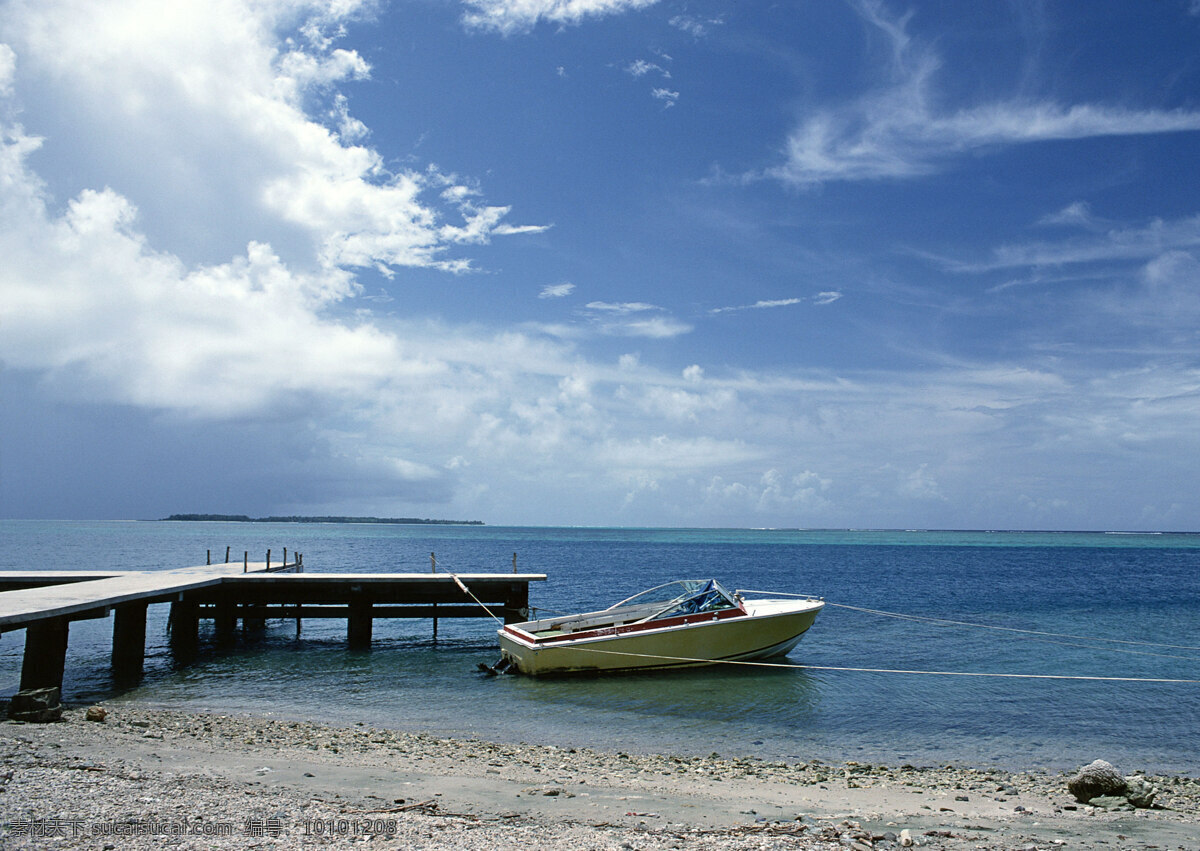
{"points": [[681, 624]]}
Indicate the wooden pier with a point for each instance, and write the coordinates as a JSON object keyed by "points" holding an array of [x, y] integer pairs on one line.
{"points": [[44, 603]]}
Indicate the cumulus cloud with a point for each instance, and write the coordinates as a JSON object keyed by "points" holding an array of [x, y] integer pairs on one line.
{"points": [[897, 131], [204, 99], [514, 16]]}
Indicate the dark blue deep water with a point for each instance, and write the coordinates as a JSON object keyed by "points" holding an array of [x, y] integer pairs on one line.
{"points": [[1140, 593]]}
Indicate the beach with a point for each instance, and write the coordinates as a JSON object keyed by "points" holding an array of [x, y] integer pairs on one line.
{"points": [[147, 777]]}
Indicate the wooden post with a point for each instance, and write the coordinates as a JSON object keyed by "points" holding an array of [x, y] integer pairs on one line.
{"points": [[45, 654], [227, 554], [285, 556], [129, 640], [225, 619], [208, 557], [358, 626], [268, 561], [514, 562], [245, 561], [516, 607], [185, 629], [433, 569]]}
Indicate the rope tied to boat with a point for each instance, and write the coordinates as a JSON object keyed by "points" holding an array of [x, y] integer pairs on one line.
{"points": [[468, 592], [948, 622], [690, 660], [1035, 634]]}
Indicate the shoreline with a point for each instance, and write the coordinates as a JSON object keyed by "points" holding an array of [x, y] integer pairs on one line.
{"points": [[235, 781]]}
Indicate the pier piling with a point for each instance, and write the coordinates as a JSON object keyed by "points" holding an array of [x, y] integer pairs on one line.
{"points": [[129, 640], [45, 654]]}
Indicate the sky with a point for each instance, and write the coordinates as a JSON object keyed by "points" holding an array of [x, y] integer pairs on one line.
{"points": [[712, 263]]}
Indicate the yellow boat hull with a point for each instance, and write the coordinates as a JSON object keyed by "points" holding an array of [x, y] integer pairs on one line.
{"points": [[770, 628]]}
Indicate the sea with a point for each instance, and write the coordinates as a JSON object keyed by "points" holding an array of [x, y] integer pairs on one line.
{"points": [[1097, 636]]}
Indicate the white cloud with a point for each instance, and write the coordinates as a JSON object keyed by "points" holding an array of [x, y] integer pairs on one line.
{"points": [[762, 304], [655, 327], [151, 97], [695, 27], [8, 67], [667, 96], [1129, 243], [156, 99], [513, 16], [557, 290], [621, 308], [896, 131], [641, 68]]}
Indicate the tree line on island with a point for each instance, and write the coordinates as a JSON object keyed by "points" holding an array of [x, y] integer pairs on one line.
{"points": [[243, 518]]}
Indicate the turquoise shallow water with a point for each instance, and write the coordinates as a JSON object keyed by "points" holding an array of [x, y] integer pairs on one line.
{"points": [[1140, 589]]}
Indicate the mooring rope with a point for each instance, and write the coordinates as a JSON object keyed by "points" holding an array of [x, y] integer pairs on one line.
{"points": [[928, 619], [468, 592], [886, 670]]}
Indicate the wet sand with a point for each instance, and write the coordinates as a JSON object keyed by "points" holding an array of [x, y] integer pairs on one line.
{"points": [[145, 777]]}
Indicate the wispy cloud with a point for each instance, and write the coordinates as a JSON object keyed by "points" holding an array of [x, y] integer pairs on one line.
{"points": [[667, 96], [641, 68], [758, 305], [766, 304], [557, 290], [698, 27], [1137, 243], [514, 16], [896, 131], [621, 308], [629, 319]]}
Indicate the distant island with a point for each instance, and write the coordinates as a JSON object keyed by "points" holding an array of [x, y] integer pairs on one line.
{"points": [[242, 518]]}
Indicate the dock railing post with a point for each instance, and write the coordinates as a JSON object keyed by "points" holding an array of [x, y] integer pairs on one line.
{"points": [[433, 569], [514, 562], [227, 554], [245, 561], [268, 561]]}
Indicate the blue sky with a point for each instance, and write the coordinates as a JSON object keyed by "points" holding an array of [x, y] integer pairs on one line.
{"points": [[603, 262]]}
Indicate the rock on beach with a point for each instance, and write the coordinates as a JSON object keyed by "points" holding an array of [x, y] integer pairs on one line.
{"points": [[1096, 780]]}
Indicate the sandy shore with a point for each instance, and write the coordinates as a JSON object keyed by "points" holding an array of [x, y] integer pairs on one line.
{"points": [[145, 778]]}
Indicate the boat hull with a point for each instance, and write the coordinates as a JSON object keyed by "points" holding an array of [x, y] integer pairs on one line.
{"points": [[770, 628]]}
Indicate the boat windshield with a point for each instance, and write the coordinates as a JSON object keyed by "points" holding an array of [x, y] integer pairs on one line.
{"points": [[684, 597]]}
